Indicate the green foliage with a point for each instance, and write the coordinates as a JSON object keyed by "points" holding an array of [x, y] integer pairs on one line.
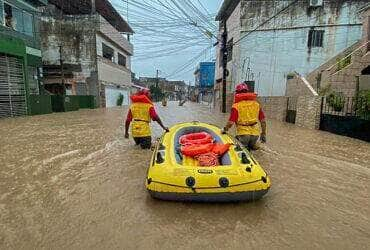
{"points": [[336, 101], [156, 93], [120, 100], [342, 63], [363, 104], [290, 75]]}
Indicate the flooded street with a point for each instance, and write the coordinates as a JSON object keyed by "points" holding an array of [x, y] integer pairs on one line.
{"points": [[71, 181]]}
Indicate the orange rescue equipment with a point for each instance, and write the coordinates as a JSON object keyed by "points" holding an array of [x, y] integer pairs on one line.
{"points": [[220, 149], [140, 99], [196, 139], [196, 149], [208, 160], [245, 97]]}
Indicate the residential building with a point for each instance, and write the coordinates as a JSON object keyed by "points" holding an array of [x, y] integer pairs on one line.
{"points": [[267, 40], [86, 50], [20, 55]]}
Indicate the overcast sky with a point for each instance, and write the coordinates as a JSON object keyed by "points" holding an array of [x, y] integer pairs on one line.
{"points": [[146, 33]]}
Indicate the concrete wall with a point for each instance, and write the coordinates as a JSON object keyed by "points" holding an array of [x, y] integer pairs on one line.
{"points": [[364, 82], [296, 87], [308, 112], [107, 30], [111, 73], [81, 38], [275, 107], [76, 35], [308, 109], [117, 49], [343, 80], [280, 46]]}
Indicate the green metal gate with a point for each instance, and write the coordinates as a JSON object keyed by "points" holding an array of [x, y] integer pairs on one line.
{"points": [[12, 87]]}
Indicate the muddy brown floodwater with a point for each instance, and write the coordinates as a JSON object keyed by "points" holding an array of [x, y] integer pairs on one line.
{"points": [[71, 181]]}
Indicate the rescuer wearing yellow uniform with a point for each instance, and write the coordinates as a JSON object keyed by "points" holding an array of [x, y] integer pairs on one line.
{"points": [[246, 113], [141, 113]]}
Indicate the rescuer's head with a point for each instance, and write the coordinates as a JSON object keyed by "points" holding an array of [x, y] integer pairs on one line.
{"points": [[241, 88]]}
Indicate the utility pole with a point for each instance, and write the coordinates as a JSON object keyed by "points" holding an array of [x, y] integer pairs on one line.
{"points": [[157, 79], [62, 68], [224, 53]]}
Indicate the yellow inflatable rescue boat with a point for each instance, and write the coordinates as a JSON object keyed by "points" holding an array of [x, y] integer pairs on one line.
{"points": [[173, 176]]}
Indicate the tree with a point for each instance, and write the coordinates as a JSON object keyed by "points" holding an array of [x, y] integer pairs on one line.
{"points": [[156, 93], [120, 99]]}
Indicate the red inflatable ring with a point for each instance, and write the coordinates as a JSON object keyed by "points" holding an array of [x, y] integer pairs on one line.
{"points": [[196, 139]]}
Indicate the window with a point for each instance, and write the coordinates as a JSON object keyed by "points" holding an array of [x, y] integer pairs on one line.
{"points": [[230, 45], [121, 60], [9, 20], [16, 19], [315, 38], [28, 24], [108, 53]]}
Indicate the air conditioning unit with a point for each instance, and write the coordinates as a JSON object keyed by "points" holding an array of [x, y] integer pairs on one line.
{"points": [[316, 3]]}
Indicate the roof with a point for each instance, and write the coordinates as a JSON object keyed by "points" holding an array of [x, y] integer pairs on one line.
{"points": [[103, 7], [228, 6]]}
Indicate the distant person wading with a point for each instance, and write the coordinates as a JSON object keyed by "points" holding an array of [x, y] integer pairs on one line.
{"points": [[140, 114]]}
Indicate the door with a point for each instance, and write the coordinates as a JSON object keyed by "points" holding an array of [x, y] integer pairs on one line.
{"points": [[291, 110], [12, 87]]}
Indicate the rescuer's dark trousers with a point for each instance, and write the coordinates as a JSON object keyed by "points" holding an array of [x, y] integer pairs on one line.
{"points": [[144, 142]]}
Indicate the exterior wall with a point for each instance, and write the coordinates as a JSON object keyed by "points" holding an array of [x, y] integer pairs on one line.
{"points": [[77, 37], [364, 82], [343, 80], [112, 72], [308, 112], [110, 32], [274, 107], [299, 86], [366, 24], [280, 46]]}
